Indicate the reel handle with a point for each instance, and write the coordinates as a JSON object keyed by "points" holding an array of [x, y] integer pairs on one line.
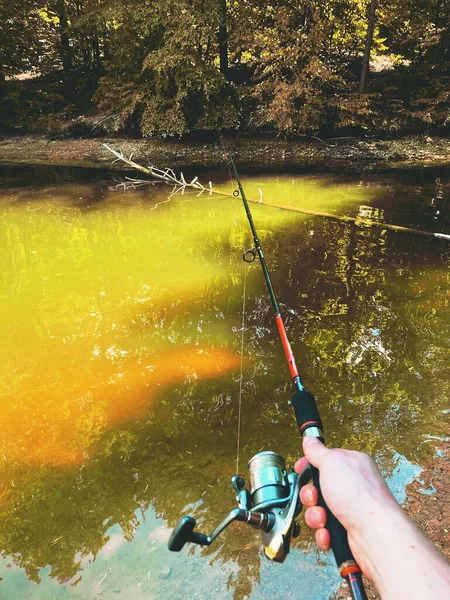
{"points": [[310, 423], [184, 532]]}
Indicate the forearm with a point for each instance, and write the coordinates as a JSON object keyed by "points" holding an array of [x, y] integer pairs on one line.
{"points": [[390, 549], [401, 560]]}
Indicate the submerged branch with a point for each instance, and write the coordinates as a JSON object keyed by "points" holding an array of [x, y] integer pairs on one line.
{"points": [[169, 176], [132, 183]]}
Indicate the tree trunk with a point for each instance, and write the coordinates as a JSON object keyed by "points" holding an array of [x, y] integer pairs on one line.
{"points": [[369, 39], [106, 46], [66, 54], [2, 83], [223, 38], [96, 51]]}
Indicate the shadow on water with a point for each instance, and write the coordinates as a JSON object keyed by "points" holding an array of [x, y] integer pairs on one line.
{"points": [[120, 369]]}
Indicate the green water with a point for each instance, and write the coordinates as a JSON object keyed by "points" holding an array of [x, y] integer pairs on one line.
{"points": [[120, 335]]}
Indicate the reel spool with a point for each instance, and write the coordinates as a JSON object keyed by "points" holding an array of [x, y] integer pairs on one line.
{"points": [[271, 505]]}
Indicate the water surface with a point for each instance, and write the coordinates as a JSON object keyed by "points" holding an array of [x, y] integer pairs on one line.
{"points": [[121, 317]]}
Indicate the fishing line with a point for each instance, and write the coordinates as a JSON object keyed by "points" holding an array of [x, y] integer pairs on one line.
{"points": [[244, 294], [230, 173], [241, 371]]}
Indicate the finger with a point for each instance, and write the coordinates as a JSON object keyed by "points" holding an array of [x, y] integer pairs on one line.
{"points": [[316, 517], [323, 539], [300, 465], [314, 450], [309, 495]]}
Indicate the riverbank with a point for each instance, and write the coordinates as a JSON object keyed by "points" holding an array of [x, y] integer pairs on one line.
{"points": [[269, 152], [428, 500]]}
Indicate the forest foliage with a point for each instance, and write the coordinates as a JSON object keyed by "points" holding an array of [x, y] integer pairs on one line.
{"points": [[166, 67]]}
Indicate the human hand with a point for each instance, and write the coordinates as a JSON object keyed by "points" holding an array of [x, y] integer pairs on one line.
{"points": [[386, 544], [353, 489]]}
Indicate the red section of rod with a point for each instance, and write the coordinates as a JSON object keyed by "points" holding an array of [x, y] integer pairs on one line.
{"points": [[286, 346]]}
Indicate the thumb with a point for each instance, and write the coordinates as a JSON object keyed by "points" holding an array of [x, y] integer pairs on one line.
{"points": [[314, 450]]}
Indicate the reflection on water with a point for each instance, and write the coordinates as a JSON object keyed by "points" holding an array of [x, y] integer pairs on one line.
{"points": [[119, 378]]}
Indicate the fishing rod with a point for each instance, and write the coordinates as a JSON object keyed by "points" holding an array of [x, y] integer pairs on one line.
{"points": [[273, 503]]}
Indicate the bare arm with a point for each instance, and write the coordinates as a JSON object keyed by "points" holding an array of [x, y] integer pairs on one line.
{"points": [[390, 549]]}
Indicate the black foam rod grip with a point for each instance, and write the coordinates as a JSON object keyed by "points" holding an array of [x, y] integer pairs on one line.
{"points": [[307, 416], [306, 412], [338, 534]]}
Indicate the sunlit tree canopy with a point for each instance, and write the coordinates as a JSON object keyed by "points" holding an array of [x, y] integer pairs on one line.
{"points": [[169, 67]]}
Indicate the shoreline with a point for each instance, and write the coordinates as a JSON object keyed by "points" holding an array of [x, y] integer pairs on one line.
{"points": [[269, 152]]}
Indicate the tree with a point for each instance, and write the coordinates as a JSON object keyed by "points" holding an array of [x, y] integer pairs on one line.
{"points": [[303, 54], [170, 67], [22, 30], [369, 39], [223, 38], [63, 26], [167, 69]]}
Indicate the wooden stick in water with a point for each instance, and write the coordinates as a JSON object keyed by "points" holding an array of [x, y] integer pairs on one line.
{"points": [[169, 176]]}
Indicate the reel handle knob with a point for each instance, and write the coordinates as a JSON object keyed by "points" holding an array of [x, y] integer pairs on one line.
{"points": [[184, 532], [238, 483]]}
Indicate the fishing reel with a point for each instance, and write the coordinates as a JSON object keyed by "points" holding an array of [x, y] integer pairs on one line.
{"points": [[271, 505]]}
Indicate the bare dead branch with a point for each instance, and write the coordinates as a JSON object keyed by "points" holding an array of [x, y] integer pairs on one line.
{"points": [[168, 175]]}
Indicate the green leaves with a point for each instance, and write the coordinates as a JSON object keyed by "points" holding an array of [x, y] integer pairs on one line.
{"points": [[166, 67]]}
